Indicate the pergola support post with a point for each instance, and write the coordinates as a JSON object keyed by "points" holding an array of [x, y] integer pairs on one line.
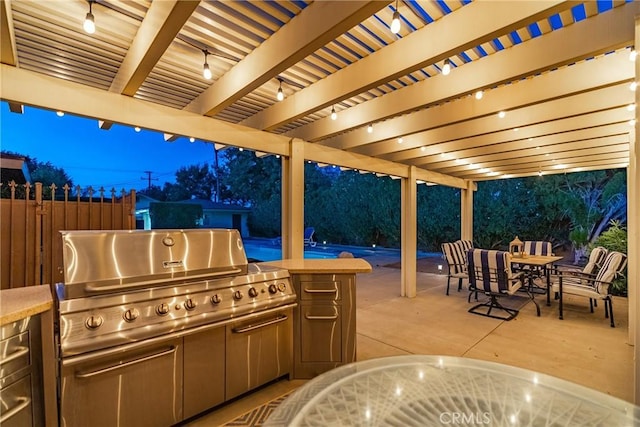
{"points": [[293, 201], [466, 211], [633, 233], [408, 233]]}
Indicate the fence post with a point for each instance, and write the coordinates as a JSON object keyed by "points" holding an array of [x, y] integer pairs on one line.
{"points": [[39, 215]]}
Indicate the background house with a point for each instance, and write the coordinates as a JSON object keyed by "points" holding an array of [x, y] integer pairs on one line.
{"points": [[214, 214]]}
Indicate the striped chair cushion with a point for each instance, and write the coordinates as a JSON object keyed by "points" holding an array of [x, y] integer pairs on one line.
{"points": [[455, 258], [613, 265], [596, 259], [533, 247], [490, 271], [466, 245]]}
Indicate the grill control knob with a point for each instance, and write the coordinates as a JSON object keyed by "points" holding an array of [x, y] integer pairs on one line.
{"points": [[273, 288], [282, 286], [253, 292], [93, 322], [162, 309], [237, 295], [189, 304], [131, 315], [216, 299]]}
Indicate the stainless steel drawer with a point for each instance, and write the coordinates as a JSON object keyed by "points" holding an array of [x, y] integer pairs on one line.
{"points": [[16, 404], [15, 357]]}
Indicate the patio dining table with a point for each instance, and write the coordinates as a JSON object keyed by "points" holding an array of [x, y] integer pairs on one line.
{"points": [[542, 261]]}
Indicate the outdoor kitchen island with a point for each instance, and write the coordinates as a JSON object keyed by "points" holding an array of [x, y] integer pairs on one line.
{"points": [[324, 321]]}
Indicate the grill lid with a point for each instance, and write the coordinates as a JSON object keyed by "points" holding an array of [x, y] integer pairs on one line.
{"points": [[114, 261]]}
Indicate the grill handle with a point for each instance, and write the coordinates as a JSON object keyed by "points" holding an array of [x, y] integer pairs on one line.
{"points": [[124, 365], [97, 288], [320, 291], [259, 325], [20, 351], [311, 317], [24, 402]]}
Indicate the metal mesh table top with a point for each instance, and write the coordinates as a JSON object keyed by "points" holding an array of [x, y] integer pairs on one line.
{"points": [[443, 390]]}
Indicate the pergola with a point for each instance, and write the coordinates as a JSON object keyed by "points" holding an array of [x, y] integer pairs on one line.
{"points": [[557, 71]]}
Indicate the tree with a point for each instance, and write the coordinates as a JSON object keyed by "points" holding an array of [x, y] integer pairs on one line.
{"points": [[198, 181], [249, 179], [584, 203], [45, 172], [505, 208], [156, 192]]}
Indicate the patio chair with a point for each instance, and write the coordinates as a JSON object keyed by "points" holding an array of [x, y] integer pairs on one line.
{"points": [[537, 247], [466, 244], [490, 272], [537, 275], [594, 287], [308, 237], [596, 258], [457, 263]]}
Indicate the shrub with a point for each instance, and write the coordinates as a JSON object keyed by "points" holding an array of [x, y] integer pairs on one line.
{"points": [[615, 239]]}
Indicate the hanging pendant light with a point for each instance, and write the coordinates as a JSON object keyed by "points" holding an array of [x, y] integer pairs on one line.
{"points": [[334, 115], [206, 71], [395, 22], [89, 24], [280, 94], [446, 69]]}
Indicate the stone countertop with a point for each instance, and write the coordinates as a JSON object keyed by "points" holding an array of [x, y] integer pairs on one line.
{"points": [[338, 265], [19, 303]]}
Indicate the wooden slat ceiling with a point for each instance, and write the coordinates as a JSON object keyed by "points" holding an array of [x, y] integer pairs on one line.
{"points": [[560, 71]]}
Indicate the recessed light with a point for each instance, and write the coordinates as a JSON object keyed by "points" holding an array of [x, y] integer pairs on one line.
{"points": [[400, 140], [479, 94], [501, 114], [60, 113], [137, 128], [192, 140], [633, 86]]}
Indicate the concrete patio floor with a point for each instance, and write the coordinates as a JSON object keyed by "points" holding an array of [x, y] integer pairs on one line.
{"points": [[582, 348]]}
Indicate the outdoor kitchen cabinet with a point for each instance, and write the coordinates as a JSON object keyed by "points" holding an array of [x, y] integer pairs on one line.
{"points": [[204, 370], [325, 323]]}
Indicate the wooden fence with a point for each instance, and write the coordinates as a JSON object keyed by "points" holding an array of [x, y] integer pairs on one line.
{"points": [[30, 225]]}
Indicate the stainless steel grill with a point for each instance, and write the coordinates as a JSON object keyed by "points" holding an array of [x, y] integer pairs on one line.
{"points": [[135, 303]]}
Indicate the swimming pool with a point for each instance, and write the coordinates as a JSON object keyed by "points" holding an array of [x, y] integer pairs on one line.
{"points": [[265, 250]]}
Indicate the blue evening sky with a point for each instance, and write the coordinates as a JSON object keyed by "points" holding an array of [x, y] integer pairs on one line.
{"points": [[91, 156]]}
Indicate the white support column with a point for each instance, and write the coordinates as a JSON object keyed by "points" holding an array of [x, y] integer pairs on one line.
{"points": [[293, 201], [408, 233], [633, 232], [466, 211], [285, 206], [633, 236]]}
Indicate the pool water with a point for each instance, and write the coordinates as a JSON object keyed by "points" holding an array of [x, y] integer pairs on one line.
{"points": [[266, 253], [264, 250]]}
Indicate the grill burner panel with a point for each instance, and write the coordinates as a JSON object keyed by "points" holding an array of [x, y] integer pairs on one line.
{"points": [[119, 319]]}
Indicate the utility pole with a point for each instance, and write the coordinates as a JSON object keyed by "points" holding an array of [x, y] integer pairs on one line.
{"points": [[149, 179]]}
